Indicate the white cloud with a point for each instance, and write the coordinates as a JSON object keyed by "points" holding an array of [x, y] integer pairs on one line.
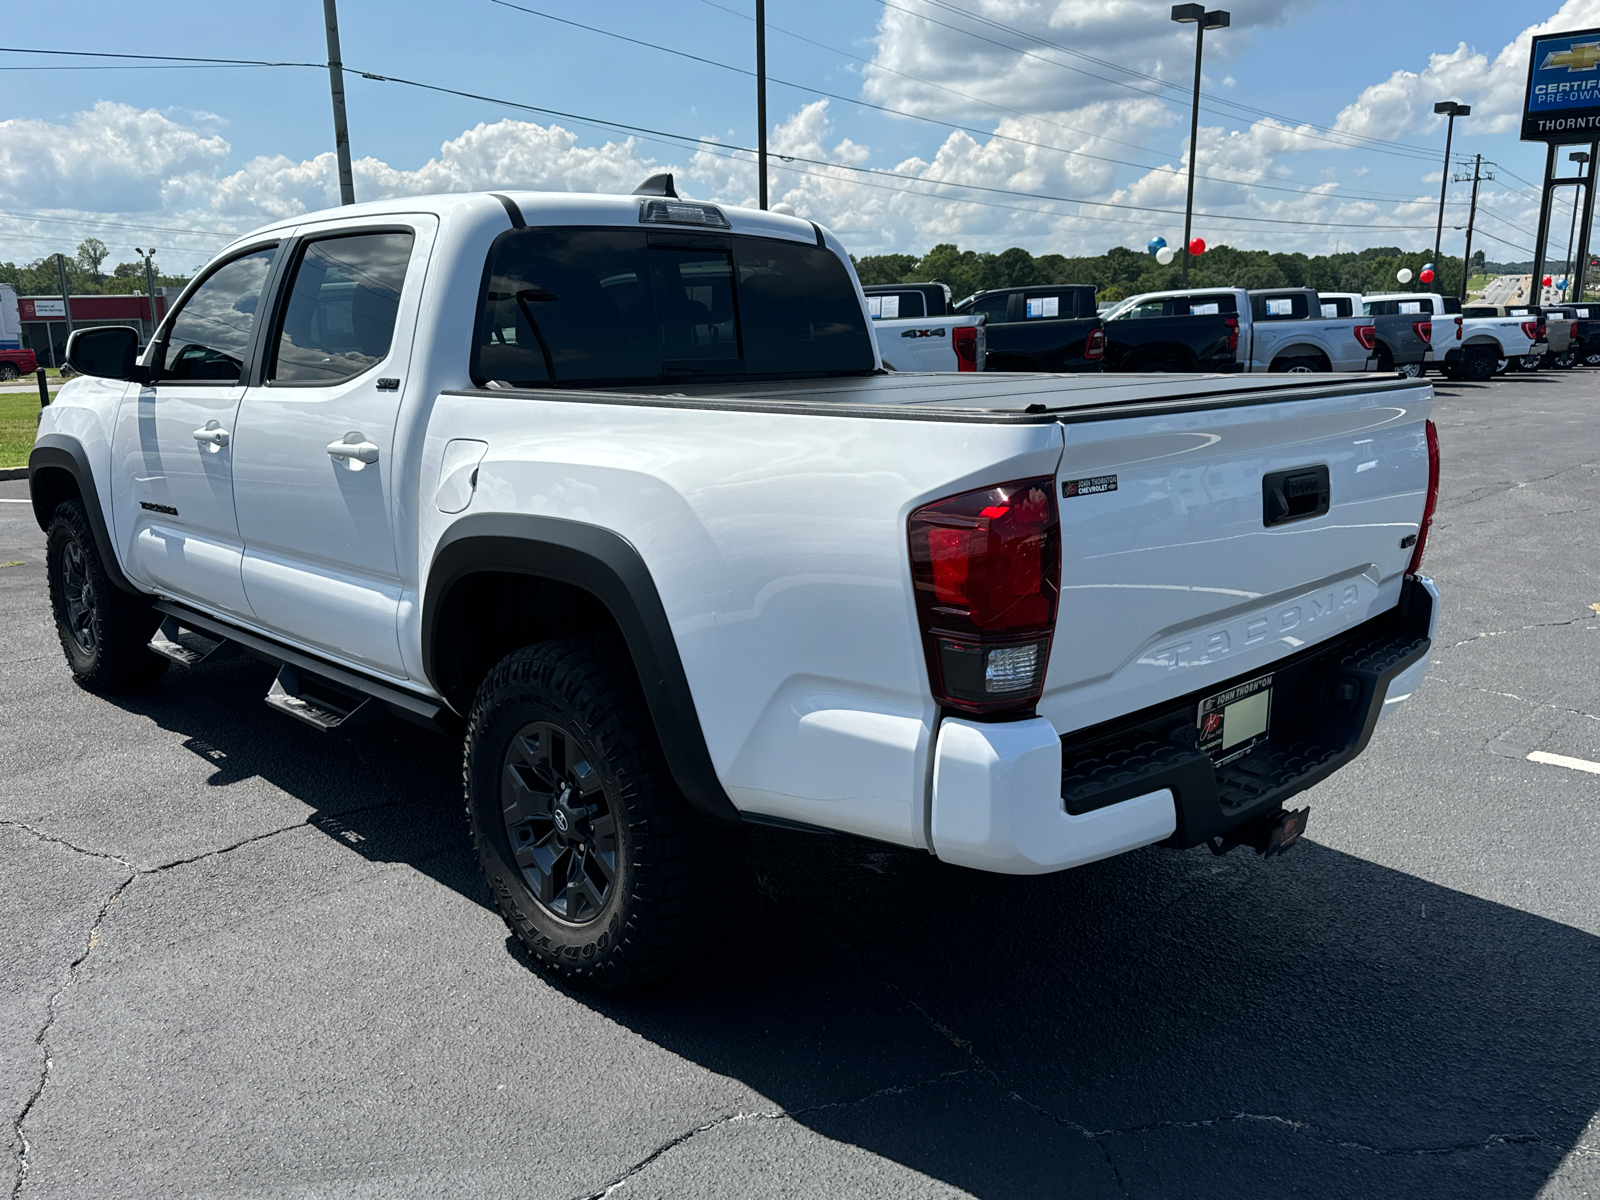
{"points": [[111, 157]]}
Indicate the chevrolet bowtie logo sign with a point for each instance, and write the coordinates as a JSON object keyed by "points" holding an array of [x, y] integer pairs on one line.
{"points": [[1584, 56]]}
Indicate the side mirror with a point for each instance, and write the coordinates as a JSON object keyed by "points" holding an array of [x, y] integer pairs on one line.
{"points": [[106, 351]]}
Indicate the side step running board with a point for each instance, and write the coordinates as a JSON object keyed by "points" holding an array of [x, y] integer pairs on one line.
{"points": [[311, 700], [184, 646], [320, 693]]}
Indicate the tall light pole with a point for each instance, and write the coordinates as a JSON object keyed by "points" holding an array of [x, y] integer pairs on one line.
{"points": [[341, 131], [149, 285], [1453, 110], [1196, 15], [1580, 157]]}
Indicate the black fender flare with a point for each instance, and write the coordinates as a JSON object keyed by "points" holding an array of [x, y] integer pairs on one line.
{"points": [[607, 566], [58, 452]]}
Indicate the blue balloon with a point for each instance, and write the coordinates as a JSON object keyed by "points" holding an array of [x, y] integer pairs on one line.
{"points": [[1562, 284], [1154, 244]]}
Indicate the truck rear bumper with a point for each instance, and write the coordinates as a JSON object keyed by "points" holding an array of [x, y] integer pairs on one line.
{"points": [[1003, 802]]}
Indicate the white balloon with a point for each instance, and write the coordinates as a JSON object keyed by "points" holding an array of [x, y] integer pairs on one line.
{"points": [[1403, 275], [1165, 255]]}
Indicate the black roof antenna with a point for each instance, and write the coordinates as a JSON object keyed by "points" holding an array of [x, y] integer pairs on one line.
{"points": [[657, 185]]}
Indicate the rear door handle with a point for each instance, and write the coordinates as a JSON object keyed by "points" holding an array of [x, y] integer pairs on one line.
{"points": [[213, 434], [354, 446]]}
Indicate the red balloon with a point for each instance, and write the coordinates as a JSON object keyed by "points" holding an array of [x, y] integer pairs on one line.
{"points": [[1426, 277], [1198, 246], [1546, 281]]}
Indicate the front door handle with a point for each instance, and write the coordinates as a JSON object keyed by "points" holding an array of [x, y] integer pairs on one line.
{"points": [[213, 435], [354, 447]]}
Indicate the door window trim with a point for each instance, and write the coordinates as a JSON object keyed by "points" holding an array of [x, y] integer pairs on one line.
{"points": [[155, 352], [279, 310]]}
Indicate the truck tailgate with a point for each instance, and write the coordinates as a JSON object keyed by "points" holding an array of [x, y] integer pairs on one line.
{"points": [[1175, 575]]}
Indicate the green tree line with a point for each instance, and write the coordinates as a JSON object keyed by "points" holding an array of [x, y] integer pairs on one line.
{"points": [[1121, 272], [86, 275]]}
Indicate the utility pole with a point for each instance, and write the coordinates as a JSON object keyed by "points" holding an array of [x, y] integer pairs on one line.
{"points": [[1452, 110], [1472, 216], [341, 132], [66, 300], [761, 99], [1196, 15]]}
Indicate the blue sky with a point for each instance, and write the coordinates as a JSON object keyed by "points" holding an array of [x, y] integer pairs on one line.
{"points": [[172, 148]]}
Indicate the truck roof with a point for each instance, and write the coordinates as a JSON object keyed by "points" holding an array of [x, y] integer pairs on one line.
{"points": [[545, 208]]}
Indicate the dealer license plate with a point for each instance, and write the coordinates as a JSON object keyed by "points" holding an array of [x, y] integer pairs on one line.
{"points": [[1235, 722]]}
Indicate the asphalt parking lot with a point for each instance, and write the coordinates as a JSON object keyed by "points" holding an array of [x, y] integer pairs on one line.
{"points": [[247, 959]]}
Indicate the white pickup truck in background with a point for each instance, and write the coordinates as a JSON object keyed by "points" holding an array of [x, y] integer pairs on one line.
{"points": [[916, 331], [615, 490], [1280, 329]]}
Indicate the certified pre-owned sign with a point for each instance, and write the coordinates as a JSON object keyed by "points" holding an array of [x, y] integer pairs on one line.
{"points": [[1563, 88]]}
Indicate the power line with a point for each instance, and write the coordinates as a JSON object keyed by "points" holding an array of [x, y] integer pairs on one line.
{"points": [[234, 62], [994, 135]]}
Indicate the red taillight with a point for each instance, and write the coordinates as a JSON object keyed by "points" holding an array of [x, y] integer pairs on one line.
{"points": [[1233, 334], [1432, 501], [1533, 330], [1423, 329], [1367, 335], [1458, 329], [1095, 346], [965, 339], [986, 566]]}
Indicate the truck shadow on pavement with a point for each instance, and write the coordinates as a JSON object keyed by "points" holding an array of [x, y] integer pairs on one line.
{"points": [[1163, 1024]]}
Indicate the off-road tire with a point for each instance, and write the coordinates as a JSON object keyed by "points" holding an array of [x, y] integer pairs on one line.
{"points": [[105, 632], [676, 876]]}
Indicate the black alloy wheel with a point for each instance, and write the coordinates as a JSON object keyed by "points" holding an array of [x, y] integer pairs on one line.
{"points": [[77, 594], [561, 828], [592, 854], [1591, 358], [1530, 362], [1566, 360], [105, 631]]}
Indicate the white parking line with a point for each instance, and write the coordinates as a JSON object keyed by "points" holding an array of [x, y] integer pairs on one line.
{"points": [[1561, 760], [9, 500]]}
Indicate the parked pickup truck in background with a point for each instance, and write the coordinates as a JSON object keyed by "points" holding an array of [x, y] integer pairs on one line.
{"points": [[1047, 328], [1584, 346], [16, 363], [614, 489], [1277, 329], [1493, 337], [915, 330], [1173, 331], [1402, 342]]}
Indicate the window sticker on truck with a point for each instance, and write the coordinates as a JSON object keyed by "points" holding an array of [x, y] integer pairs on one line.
{"points": [[1092, 486], [1204, 310], [1282, 307], [1044, 306], [883, 308], [1411, 306]]}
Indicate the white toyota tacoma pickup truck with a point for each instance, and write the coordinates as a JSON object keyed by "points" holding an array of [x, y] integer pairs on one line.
{"points": [[615, 489]]}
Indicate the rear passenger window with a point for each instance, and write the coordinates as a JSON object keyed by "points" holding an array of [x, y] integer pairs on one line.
{"points": [[891, 306], [1282, 308], [994, 307], [343, 300], [1045, 306]]}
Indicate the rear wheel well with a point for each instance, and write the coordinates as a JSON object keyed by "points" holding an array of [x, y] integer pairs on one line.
{"points": [[1285, 357], [490, 614], [49, 487]]}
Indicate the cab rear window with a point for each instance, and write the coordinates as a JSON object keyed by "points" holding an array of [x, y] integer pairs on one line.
{"points": [[565, 307]]}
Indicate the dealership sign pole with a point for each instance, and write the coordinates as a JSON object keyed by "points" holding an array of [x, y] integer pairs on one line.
{"points": [[1562, 108]]}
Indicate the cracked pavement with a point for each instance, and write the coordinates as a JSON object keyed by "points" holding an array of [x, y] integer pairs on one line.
{"points": [[250, 960]]}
